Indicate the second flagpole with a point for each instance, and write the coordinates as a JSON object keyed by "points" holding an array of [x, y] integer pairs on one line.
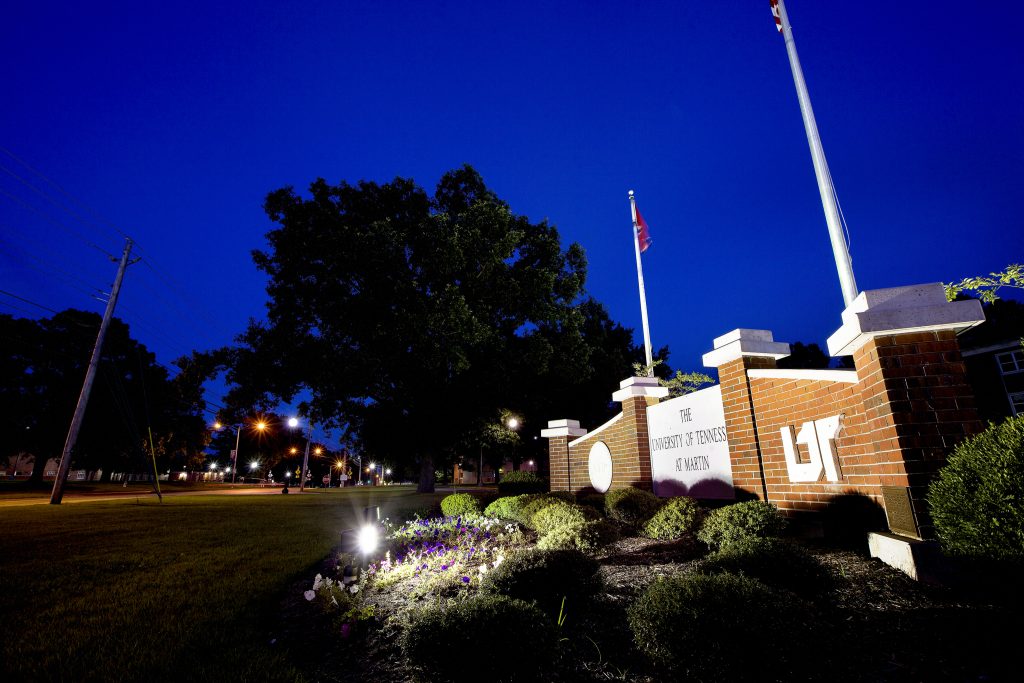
{"points": [[640, 280]]}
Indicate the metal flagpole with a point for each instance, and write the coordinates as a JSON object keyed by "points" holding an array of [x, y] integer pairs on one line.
{"points": [[828, 196], [640, 280]]}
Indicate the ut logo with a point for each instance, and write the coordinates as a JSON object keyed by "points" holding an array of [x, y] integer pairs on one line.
{"points": [[819, 437]]}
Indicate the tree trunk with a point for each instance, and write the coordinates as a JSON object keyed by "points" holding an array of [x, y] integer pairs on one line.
{"points": [[426, 484]]}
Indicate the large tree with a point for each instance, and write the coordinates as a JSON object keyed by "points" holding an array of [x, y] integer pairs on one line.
{"points": [[408, 318], [41, 374]]}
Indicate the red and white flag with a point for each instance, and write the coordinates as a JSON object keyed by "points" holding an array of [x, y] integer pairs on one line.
{"points": [[643, 235], [775, 13]]}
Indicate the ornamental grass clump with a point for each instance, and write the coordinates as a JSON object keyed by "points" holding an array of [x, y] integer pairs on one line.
{"points": [[773, 561], [631, 506], [722, 628], [977, 501], [678, 517], [742, 520], [460, 504], [545, 577], [457, 643]]}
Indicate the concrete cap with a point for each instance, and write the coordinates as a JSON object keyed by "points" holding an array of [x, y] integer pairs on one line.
{"points": [[743, 342]]}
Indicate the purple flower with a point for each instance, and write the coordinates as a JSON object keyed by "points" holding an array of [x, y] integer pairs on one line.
{"points": [[444, 567], [465, 579]]}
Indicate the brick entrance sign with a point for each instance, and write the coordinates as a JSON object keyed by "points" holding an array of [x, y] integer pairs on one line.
{"points": [[806, 439]]}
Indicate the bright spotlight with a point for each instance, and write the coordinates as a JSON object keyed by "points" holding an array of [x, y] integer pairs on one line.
{"points": [[293, 422], [368, 539], [253, 464]]}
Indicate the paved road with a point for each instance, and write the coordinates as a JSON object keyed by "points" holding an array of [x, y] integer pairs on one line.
{"points": [[72, 497]]}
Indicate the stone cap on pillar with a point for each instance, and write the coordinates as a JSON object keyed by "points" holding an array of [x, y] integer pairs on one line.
{"points": [[563, 428], [744, 343], [901, 310], [639, 386]]}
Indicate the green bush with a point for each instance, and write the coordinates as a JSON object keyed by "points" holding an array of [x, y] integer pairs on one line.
{"points": [[675, 519], [561, 514], [773, 561], [721, 627], [533, 506], [977, 501], [587, 537], [515, 483], [460, 504], [630, 505], [457, 643], [594, 500], [566, 496], [507, 507], [545, 576], [741, 520]]}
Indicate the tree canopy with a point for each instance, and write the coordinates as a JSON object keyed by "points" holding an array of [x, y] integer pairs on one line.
{"points": [[41, 376], [412, 320]]}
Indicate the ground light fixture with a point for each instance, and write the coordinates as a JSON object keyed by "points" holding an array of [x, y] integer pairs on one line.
{"points": [[369, 539]]}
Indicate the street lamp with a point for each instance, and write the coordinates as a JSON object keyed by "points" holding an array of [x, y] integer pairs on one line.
{"points": [[259, 425]]}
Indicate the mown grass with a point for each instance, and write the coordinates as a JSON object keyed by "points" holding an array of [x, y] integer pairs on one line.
{"points": [[183, 590]]}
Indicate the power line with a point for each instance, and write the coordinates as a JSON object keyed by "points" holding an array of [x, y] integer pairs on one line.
{"points": [[49, 219], [28, 301]]}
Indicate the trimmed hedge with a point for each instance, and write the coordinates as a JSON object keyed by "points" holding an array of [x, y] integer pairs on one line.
{"points": [[457, 643], [531, 507], [460, 504], [977, 501], [741, 520], [630, 505], [587, 537], [507, 507], [517, 482], [773, 561], [675, 519], [562, 514], [722, 628], [545, 576]]}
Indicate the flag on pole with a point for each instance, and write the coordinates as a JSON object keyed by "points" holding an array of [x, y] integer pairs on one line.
{"points": [[643, 234], [775, 13]]}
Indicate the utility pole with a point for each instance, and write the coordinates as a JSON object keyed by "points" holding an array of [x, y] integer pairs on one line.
{"points": [[90, 375], [305, 459]]}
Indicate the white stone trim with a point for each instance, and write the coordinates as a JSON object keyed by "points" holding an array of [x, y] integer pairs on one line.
{"points": [[562, 428], [822, 375], [639, 386], [597, 431], [901, 310], [744, 342]]}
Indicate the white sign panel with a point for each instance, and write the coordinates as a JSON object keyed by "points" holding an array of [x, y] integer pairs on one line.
{"points": [[599, 465], [689, 449]]}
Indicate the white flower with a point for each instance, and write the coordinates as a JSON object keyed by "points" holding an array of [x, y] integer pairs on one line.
{"points": [[354, 589], [334, 601], [316, 581], [483, 569], [501, 558], [309, 595]]}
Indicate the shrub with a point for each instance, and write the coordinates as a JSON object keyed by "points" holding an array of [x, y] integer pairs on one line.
{"points": [[515, 483], [460, 504], [587, 537], [545, 576], [720, 627], [741, 520], [533, 506], [676, 518], [561, 514], [772, 561], [594, 500], [457, 643], [566, 496], [977, 501], [507, 507], [630, 505]]}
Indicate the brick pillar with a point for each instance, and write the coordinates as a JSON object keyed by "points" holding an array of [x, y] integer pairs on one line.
{"points": [[633, 461], [735, 353], [558, 434], [917, 401]]}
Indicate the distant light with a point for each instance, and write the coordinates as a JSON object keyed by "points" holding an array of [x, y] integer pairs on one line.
{"points": [[512, 423], [387, 471], [293, 450], [317, 450], [339, 464], [372, 465], [287, 475], [293, 422], [261, 425], [218, 425], [531, 463], [213, 466], [367, 469], [368, 539], [253, 464]]}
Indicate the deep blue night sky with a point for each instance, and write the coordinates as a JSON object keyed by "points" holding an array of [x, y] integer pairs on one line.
{"points": [[173, 120]]}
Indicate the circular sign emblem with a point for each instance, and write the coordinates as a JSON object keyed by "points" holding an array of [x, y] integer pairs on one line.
{"points": [[600, 467]]}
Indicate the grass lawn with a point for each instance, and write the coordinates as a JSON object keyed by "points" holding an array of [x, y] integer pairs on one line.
{"points": [[179, 590]]}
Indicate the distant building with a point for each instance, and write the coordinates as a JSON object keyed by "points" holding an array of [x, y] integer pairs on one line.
{"points": [[994, 358]]}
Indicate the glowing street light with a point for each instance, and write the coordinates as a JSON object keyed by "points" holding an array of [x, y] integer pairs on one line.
{"points": [[293, 422], [259, 426], [513, 423]]}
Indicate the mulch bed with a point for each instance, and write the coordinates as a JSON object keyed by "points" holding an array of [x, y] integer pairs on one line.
{"points": [[879, 626]]}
